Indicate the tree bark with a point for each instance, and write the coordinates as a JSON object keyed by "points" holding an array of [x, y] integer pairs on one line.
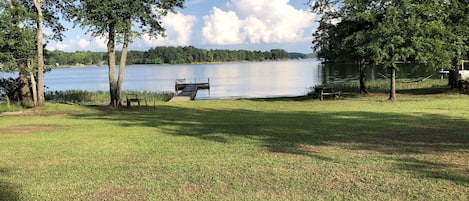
{"points": [[122, 63], [453, 77], [40, 55], [363, 86], [25, 92], [113, 87], [33, 83], [392, 92], [8, 101]]}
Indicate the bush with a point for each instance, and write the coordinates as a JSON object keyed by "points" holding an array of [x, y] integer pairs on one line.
{"points": [[9, 88]]}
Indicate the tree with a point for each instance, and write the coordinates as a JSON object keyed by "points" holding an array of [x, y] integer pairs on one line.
{"points": [[343, 36], [40, 53], [45, 14], [16, 48], [22, 31], [278, 54], [457, 21], [385, 32], [411, 32], [114, 19]]}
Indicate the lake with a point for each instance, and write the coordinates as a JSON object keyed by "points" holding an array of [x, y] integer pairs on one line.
{"points": [[227, 80]]}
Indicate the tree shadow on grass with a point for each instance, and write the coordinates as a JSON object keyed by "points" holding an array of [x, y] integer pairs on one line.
{"points": [[374, 131], [433, 170], [8, 191], [425, 91], [295, 132]]}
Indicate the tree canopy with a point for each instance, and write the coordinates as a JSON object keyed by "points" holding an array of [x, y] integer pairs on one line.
{"points": [[115, 20], [21, 24], [388, 32], [17, 33]]}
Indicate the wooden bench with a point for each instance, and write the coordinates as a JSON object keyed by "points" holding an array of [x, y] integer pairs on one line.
{"points": [[134, 98], [321, 91]]}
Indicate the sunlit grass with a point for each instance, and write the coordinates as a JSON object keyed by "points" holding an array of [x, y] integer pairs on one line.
{"points": [[353, 148]]}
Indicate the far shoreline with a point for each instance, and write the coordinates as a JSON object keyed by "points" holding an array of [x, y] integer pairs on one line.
{"points": [[165, 64]]}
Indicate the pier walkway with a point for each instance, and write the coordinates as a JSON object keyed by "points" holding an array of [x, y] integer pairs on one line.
{"points": [[188, 91]]}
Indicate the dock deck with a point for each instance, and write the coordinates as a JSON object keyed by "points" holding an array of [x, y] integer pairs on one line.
{"points": [[188, 91]]}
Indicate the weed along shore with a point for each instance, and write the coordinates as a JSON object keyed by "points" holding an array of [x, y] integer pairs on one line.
{"points": [[352, 148]]}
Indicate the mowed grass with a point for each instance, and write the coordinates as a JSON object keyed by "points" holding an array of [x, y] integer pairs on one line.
{"points": [[360, 148]]}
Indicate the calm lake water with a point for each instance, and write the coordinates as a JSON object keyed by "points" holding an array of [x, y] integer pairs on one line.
{"points": [[227, 80]]}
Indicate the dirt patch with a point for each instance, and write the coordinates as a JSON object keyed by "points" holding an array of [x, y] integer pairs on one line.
{"points": [[17, 113], [26, 129], [35, 113]]}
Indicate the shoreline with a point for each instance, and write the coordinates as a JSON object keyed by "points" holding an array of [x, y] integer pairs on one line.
{"points": [[165, 64]]}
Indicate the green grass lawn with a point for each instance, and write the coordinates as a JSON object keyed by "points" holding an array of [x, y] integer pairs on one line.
{"points": [[354, 148]]}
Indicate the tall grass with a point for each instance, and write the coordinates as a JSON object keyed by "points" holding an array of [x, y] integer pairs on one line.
{"points": [[102, 97], [4, 107]]}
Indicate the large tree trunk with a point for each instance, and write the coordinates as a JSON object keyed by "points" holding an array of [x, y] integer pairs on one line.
{"points": [[453, 78], [111, 49], [122, 63], [25, 92], [363, 86], [40, 56], [33, 83], [392, 91]]}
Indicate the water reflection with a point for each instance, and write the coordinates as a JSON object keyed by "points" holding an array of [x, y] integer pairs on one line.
{"points": [[228, 80]]}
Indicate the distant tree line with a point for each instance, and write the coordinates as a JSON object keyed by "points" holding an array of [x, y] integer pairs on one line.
{"points": [[170, 55], [58, 57]]}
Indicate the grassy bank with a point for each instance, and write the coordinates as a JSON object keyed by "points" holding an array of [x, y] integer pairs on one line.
{"points": [[89, 98], [102, 97], [4, 107], [361, 148]]}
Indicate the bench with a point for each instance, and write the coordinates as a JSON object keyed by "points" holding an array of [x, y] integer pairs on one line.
{"points": [[134, 98], [321, 91]]}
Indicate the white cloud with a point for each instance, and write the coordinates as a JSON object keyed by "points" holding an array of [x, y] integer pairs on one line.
{"points": [[60, 46], [82, 43], [222, 28], [178, 30], [92, 44], [100, 42], [260, 21]]}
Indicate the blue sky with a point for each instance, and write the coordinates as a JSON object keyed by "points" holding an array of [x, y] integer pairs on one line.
{"points": [[220, 24]]}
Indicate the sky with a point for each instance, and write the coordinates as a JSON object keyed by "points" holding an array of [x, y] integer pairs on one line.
{"points": [[219, 24]]}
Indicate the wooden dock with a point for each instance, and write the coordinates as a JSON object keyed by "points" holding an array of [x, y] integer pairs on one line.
{"points": [[188, 91]]}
